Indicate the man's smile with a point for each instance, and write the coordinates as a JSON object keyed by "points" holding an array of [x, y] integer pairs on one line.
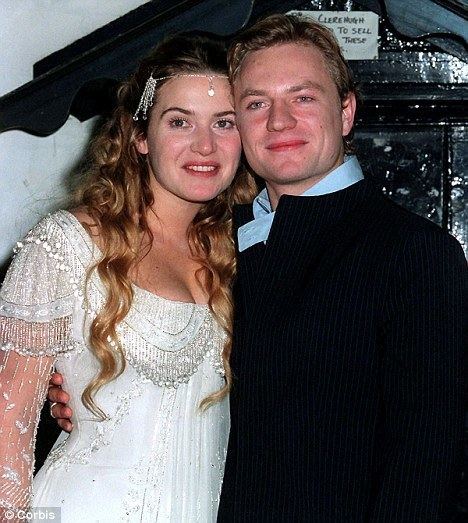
{"points": [[286, 145]]}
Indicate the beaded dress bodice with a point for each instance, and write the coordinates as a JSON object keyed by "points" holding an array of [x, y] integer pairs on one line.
{"points": [[166, 456]]}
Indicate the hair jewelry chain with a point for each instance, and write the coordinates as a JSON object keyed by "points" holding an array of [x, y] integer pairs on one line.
{"points": [[147, 98]]}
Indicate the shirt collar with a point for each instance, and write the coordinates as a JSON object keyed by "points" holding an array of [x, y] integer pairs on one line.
{"points": [[348, 173], [258, 229]]}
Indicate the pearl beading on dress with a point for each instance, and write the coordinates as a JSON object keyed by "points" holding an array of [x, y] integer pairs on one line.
{"points": [[182, 344], [171, 368]]}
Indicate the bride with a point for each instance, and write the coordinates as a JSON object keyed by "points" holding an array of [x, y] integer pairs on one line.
{"points": [[128, 296]]}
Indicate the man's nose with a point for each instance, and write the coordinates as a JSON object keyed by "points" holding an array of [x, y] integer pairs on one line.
{"points": [[280, 117], [204, 142]]}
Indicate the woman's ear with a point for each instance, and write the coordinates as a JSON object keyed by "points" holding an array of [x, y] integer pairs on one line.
{"points": [[142, 145]]}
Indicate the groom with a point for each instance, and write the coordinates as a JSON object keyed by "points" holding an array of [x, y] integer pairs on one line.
{"points": [[348, 400]]}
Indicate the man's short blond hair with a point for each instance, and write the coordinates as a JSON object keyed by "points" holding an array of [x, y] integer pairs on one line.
{"points": [[283, 29]]}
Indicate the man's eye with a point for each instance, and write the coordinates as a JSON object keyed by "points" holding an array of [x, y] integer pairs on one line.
{"points": [[255, 105], [225, 124], [305, 98], [178, 122]]}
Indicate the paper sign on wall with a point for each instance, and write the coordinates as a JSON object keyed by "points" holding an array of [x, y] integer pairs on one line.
{"points": [[356, 31]]}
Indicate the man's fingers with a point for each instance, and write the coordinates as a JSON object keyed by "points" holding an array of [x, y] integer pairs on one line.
{"points": [[60, 412], [55, 380], [65, 425], [58, 395]]}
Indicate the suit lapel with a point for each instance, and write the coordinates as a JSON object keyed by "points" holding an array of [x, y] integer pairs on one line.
{"points": [[249, 262], [308, 237]]}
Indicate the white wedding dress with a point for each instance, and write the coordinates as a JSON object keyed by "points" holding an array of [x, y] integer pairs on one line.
{"points": [[157, 457]]}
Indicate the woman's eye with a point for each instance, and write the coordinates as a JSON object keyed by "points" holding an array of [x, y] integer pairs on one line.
{"points": [[178, 122], [225, 124]]}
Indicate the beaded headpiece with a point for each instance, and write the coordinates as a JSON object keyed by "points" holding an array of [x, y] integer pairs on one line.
{"points": [[147, 98]]}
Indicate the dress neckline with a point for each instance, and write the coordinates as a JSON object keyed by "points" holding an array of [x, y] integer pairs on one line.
{"points": [[136, 288]]}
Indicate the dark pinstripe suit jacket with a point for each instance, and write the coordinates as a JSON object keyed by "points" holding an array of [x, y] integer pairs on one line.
{"points": [[348, 400]]}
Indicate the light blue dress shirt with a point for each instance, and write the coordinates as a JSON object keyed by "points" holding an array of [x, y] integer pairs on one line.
{"points": [[257, 230]]}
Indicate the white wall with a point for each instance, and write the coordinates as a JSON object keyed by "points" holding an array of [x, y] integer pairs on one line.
{"points": [[33, 170]]}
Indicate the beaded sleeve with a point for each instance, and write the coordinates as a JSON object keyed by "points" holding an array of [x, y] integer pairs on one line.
{"points": [[36, 305]]}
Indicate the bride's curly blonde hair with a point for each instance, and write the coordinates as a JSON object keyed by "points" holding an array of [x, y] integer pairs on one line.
{"points": [[116, 195]]}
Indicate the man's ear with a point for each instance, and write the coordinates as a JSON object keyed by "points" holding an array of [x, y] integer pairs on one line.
{"points": [[348, 111], [142, 145]]}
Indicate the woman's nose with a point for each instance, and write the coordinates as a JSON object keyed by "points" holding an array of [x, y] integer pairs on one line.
{"points": [[204, 142]]}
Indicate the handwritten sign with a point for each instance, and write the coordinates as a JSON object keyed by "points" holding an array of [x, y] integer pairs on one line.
{"points": [[356, 31]]}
